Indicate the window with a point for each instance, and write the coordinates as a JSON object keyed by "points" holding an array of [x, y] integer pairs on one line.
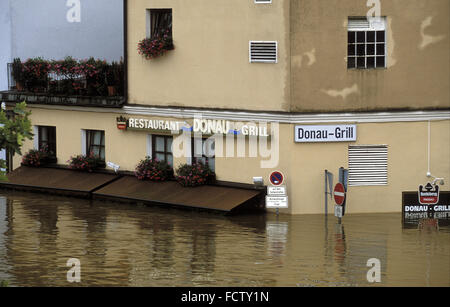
{"points": [[368, 165], [47, 139], [159, 22], [263, 52], [162, 148], [366, 43], [203, 150], [95, 143]]}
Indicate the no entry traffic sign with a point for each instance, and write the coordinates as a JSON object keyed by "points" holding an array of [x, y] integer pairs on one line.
{"points": [[339, 194], [276, 178]]}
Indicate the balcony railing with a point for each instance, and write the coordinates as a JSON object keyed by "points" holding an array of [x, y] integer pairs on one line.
{"points": [[69, 82]]}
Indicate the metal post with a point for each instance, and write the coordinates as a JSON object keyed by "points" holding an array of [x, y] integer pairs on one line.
{"points": [[326, 192]]}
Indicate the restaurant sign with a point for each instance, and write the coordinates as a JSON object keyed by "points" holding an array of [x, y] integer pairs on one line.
{"points": [[203, 126], [325, 133], [427, 204]]}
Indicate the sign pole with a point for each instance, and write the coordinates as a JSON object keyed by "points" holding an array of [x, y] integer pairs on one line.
{"points": [[326, 192]]}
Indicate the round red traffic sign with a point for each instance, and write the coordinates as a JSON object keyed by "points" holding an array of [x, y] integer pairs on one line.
{"points": [[276, 178], [339, 194]]}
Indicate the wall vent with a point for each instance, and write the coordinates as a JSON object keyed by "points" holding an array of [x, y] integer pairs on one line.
{"points": [[263, 52], [368, 165]]}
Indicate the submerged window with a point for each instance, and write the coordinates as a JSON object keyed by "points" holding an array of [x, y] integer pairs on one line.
{"points": [[162, 148], [95, 143], [47, 139], [366, 43]]}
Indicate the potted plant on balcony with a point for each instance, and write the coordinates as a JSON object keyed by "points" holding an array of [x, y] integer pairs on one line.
{"points": [[17, 74], [111, 79], [153, 47], [35, 73]]}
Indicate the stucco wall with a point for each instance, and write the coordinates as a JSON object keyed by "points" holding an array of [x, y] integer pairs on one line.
{"points": [[210, 64], [302, 164], [417, 73]]}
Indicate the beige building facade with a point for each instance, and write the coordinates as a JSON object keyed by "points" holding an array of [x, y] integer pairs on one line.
{"points": [[323, 67]]}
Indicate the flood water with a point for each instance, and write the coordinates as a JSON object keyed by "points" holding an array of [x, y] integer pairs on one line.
{"points": [[128, 245]]}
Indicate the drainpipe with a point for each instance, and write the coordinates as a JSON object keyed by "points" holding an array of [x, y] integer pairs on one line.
{"points": [[125, 49]]}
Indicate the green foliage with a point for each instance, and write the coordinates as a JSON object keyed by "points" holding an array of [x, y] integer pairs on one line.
{"points": [[4, 283], [88, 77], [13, 131], [17, 71]]}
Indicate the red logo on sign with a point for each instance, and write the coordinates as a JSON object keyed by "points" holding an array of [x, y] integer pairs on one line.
{"points": [[339, 194], [428, 195]]}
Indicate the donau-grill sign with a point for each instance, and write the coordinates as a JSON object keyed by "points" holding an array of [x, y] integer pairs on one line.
{"points": [[428, 203], [325, 133]]}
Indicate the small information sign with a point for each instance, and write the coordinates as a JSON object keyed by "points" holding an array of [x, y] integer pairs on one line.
{"points": [[276, 202]]}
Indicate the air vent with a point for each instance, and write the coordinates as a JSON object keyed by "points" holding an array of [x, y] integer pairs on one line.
{"points": [[365, 24], [368, 165], [358, 24], [263, 52]]}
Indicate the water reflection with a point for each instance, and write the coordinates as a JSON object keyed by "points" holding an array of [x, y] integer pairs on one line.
{"points": [[128, 245]]}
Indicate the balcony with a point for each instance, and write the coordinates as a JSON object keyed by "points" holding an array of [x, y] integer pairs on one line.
{"points": [[86, 83]]}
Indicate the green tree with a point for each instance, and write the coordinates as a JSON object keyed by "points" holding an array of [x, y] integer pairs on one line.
{"points": [[13, 131]]}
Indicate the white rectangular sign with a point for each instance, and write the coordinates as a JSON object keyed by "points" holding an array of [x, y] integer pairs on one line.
{"points": [[274, 202], [325, 133], [338, 211], [276, 191]]}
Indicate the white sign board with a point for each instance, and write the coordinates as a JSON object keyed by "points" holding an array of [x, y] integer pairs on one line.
{"points": [[325, 133], [338, 211], [276, 191], [276, 202]]}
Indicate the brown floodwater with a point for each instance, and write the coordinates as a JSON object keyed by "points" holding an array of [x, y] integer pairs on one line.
{"points": [[130, 245]]}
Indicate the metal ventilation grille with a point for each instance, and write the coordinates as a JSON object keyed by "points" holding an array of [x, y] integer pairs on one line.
{"points": [[263, 52], [361, 24], [368, 165]]}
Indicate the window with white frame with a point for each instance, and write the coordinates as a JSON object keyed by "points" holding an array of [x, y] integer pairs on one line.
{"points": [[367, 165], [366, 43], [95, 143]]}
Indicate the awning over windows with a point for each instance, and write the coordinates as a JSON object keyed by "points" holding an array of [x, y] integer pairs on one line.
{"points": [[171, 193], [56, 180], [130, 189]]}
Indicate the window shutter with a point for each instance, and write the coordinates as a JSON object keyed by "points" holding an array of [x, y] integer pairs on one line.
{"points": [[368, 165], [263, 52]]}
